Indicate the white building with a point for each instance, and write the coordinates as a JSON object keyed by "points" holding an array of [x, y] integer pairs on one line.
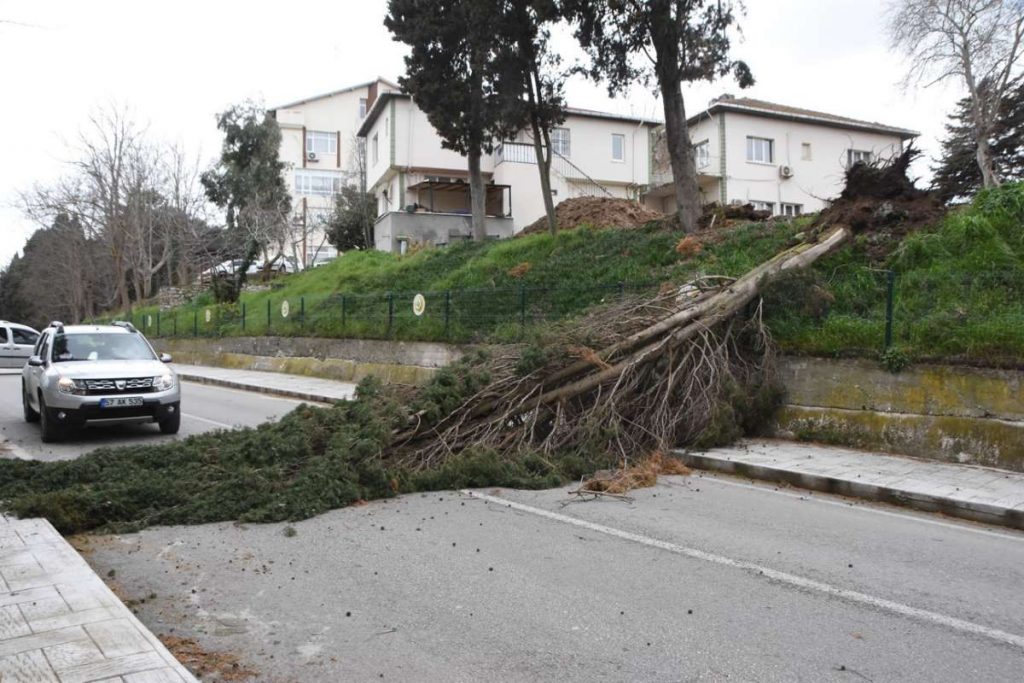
{"points": [[779, 158], [318, 139], [783, 159], [422, 189]]}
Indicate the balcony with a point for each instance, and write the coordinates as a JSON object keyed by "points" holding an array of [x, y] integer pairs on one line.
{"points": [[396, 231]]}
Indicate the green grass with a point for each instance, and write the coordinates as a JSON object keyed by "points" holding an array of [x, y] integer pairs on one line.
{"points": [[959, 291], [473, 291]]}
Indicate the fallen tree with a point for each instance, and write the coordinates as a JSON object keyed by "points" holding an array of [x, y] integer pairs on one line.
{"points": [[692, 365]]}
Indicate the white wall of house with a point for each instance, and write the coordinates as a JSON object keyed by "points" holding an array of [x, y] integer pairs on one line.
{"points": [[334, 116], [418, 153], [816, 154]]}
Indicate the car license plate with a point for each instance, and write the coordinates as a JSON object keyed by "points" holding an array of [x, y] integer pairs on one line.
{"points": [[121, 402]]}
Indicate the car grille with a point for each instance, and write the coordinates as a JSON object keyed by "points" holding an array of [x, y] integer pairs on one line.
{"points": [[137, 385]]}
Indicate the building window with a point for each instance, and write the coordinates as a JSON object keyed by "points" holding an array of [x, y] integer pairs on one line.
{"points": [[376, 149], [805, 151], [362, 108], [318, 183], [321, 142], [792, 210], [618, 147], [760, 150], [702, 154], [763, 206], [403, 245], [560, 141], [855, 156]]}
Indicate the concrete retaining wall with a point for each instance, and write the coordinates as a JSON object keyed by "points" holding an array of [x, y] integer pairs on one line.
{"points": [[946, 413], [348, 360]]}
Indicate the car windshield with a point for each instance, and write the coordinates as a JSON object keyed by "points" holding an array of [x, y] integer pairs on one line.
{"points": [[100, 346]]}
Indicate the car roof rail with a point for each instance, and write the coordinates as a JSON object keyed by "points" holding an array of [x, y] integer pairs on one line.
{"points": [[125, 324]]}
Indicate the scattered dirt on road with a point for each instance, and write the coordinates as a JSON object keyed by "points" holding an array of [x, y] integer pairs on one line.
{"points": [[642, 475], [599, 212], [206, 665]]}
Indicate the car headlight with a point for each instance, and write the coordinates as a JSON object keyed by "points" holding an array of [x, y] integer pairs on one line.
{"points": [[163, 382], [66, 385]]}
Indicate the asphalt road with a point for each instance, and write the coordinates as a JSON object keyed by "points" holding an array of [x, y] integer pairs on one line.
{"points": [[700, 578], [203, 407]]}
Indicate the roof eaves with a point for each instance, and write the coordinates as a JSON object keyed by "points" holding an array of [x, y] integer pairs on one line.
{"points": [[350, 88], [376, 109], [826, 120]]}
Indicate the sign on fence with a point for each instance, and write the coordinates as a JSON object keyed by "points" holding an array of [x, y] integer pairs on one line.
{"points": [[419, 304], [284, 308], [209, 315]]}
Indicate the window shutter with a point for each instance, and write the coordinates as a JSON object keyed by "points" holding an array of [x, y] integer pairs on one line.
{"points": [[338, 147], [302, 146]]}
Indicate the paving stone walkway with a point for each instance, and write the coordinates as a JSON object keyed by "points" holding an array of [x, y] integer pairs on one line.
{"points": [[981, 493], [292, 386], [60, 623]]}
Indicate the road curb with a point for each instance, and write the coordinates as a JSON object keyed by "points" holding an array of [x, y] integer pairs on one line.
{"points": [[257, 388], [955, 507]]}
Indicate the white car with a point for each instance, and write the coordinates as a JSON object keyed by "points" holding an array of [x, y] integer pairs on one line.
{"points": [[16, 344], [81, 374]]}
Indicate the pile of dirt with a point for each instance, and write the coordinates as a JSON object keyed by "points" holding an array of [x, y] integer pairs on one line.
{"points": [[213, 666], [881, 203], [598, 212]]}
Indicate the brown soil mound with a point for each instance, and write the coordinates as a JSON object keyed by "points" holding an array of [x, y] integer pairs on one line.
{"points": [[881, 203], [599, 212]]}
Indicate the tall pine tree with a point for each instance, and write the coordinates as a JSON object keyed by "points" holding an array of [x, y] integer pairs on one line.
{"points": [[957, 175], [454, 71]]}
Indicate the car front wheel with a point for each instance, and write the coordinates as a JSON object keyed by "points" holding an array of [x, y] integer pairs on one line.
{"points": [[171, 425], [30, 414], [48, 429]]}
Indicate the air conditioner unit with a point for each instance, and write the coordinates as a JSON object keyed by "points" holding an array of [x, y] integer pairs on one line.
{"points": [[311, 156], [786, 171]]}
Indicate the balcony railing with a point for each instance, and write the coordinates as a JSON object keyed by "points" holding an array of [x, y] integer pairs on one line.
{"points": [[524, 153]]}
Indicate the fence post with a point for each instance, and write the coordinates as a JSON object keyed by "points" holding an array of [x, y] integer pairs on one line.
{"points": [[175, 321], [268, 315], [890, 294], [391, 311], [243, 316], [158, 322], [522, 308], [622, 290], [195, 323], [302, 312], [343, 311], [447, 310]]}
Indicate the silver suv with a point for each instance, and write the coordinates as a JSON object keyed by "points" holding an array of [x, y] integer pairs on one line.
{"points": [[101, 374]]}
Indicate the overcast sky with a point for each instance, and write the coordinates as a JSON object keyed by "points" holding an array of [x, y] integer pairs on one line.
{"points": [[176, 64]]}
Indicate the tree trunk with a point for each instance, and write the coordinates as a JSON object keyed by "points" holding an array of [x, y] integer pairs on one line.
{"points": [[476, 195], [983, 154], [542, 150], [680, 152]]}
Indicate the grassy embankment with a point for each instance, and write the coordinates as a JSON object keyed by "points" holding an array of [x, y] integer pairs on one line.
{"points": [[959, 287]]}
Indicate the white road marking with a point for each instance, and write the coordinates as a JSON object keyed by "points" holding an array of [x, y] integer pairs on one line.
{"points": [[769, 573], [225, 425], [820, 497]]}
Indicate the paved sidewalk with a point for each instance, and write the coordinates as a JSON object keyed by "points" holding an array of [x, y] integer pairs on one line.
{"points": [[979, 493], [60, 623], [291, 386]]}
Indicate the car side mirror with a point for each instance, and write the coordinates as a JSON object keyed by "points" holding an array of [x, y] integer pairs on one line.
{"points": [[35, 361], [165, 358]]}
